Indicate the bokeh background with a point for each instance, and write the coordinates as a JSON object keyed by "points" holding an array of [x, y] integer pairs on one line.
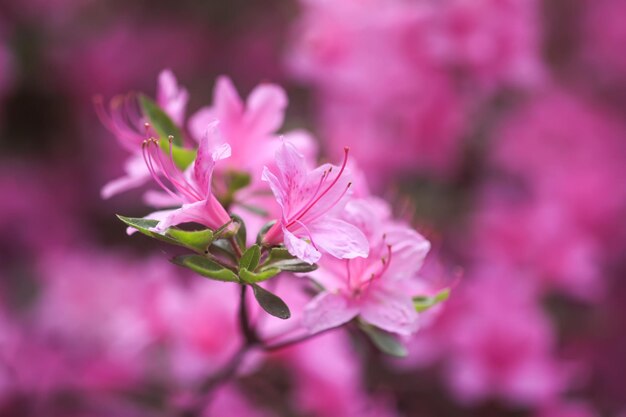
{"points": [[498, 127]]}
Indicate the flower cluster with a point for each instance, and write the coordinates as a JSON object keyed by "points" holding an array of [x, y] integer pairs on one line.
{"points": [[261, 207]]}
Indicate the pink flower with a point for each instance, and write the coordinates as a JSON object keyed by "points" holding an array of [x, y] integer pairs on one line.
{"points": [[191, 188], [378, 288], [127, 123], [171, 97], [307, 198], [500, 341], [249, 127]]}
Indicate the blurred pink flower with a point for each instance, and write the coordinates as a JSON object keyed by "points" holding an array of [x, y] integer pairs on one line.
{"points": [[171, 97], [400, 81], [500, 343], [198, 323], [128, 124], [566, 409], [379, 288], [307, 199], [328, 381], [603, 38]]}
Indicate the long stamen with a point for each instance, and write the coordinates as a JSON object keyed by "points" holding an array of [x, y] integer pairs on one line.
{"points": [[317, 190], [147, 157], [334, 203], [173, 174], [385, 262], [332, 184]]}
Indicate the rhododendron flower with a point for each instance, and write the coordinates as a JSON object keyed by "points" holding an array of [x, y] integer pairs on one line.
{"points": [[171, 97], [378, 288], [191, 188], [249, 127], [307, 199], [126, 122]]}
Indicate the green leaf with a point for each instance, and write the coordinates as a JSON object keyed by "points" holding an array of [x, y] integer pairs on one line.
{"points": [[144, 225], [383, 340], [237, 180], [206, 268], [252, 277], [254, 209], [263, 231], [197, 240], [241, 235], [182, 157], [271, 303], [160, 121], [423, 303], [250, 258], [280, 258]]}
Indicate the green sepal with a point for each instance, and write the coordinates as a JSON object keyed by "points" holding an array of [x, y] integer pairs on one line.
{"points": [[144, 225], [197, 240], [267, 226], [281, 258], [160, 121], [423, 303], [271, 303], [252, 277], [250, 258], [206, 267], [241, 234], [383, 340]]}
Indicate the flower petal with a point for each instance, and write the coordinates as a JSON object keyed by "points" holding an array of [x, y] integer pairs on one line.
{"points": [[389, 310], [301, 249], [327, 311], [198, 212], [339, 238], [265, 109], [227, 104], [171, 97]]}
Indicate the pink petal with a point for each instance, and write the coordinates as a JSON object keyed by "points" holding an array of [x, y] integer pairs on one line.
{"points": [[409, 249], [122, 184], [171, 97], [339, 238], [300, 248], [208, 154], [226, 102], [159, 199], [327, 311], [280, 193], [200, 121], [136, 175], [389, 310], [304, 142], [265, 109], [198, 212]]}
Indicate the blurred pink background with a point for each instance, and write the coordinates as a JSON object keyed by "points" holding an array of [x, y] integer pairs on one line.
{"points": [[498, 127]]}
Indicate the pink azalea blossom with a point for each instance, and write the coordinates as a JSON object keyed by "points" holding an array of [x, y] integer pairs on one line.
{"points": [[379, 288], [171, 97], [499, 343], [307, 198], [191, 188], [250, 128], [127, 123]]}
